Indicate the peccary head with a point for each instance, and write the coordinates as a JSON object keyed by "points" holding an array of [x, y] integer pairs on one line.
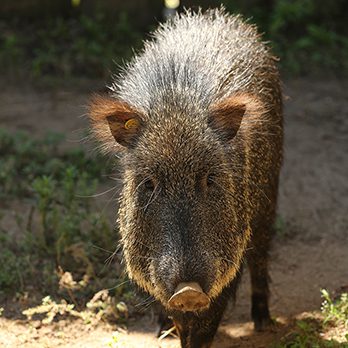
{"points": [[183, 214]]}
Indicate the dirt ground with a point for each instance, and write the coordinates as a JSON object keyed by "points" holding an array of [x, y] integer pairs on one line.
{"points": [[310, 252]]}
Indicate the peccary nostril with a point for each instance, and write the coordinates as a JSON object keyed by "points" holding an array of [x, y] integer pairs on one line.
{"points": [[189, 297]]}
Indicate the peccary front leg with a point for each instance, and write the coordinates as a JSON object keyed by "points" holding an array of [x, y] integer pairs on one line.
{"points": [[197, 332], [257, 257]]}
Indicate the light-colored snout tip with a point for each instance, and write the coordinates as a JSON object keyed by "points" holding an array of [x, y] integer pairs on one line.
{"points": [[189, 297]]}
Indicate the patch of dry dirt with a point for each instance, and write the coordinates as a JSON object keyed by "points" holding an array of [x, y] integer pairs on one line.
{"points": [[313, 204]]}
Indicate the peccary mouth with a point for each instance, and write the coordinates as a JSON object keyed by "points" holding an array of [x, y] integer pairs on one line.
{"points": [[189, 297]]}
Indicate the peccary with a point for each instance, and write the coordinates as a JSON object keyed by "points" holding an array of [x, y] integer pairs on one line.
{"points": [[196, 119]]}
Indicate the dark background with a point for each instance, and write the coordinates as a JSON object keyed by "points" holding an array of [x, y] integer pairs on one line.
{"points": [[85, 38]]}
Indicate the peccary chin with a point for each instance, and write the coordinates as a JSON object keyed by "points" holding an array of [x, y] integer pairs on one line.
{"points": [[194, 195]]}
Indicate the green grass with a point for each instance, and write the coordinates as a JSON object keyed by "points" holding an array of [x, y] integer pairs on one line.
{"points": [[63, 233], [307, 335], [309, 37], [64, 47], [280, 226], [308, 332], [24, 159], [335, 311]]}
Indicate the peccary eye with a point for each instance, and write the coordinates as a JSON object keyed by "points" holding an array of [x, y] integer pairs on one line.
{"points": [[149, 185], [210, 179]]}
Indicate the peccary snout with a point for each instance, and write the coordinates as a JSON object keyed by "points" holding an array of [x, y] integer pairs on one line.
{"points": [[189, 297], [183, 275]]}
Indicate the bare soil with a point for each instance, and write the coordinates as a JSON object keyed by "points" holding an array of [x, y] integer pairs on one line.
{"points": [[310, 251]]}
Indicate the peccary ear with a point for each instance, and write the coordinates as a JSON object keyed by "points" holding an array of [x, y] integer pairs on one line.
{"points": [[111, 117], [226, 116]]}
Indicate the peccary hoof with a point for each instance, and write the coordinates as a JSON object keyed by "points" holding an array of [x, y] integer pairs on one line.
{"points": [[262, 323], [260, 312], [189, 297]]}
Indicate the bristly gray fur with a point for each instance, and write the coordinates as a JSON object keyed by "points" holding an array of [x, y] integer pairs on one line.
{"points": [[195, 60], [196, 204]]}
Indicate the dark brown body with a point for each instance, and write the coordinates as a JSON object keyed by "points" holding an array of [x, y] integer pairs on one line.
{"points": [[197, 121]]}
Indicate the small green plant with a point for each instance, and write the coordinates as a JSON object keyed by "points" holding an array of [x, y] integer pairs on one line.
{"points": [[280, 226], [309, 332], [306, 334], [11, 50], [335, 312], [10, 266]]}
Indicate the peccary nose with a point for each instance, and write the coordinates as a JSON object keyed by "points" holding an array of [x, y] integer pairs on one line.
{"points": [[189, 297]]}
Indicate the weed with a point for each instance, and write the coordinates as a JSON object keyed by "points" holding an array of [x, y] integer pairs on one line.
{"points": [[306, 334], [24, 159], [280, 226], [335, 312], [101, 307], [63, 229], [9, 269], [11, 49], [325, 330], [84, 45], [60, 248], [309, 36], [51, 309]]}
